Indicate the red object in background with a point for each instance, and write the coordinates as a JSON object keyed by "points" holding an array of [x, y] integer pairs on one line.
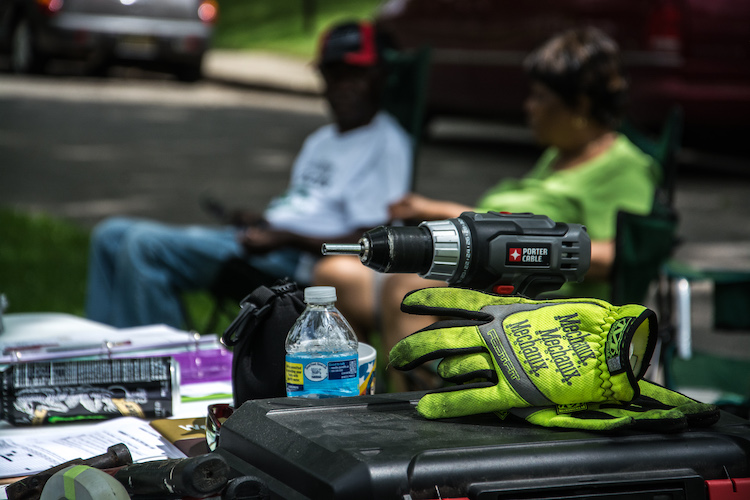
{"points": [[665, 28], [504, 289], [728, 489], [694, 53], [208, 11], [49, 7]]}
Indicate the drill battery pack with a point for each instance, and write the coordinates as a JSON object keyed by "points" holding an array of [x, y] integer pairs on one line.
{"points": [[379, 447]]}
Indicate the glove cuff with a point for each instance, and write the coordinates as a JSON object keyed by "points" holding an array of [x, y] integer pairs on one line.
{"points": [[630, 343]]}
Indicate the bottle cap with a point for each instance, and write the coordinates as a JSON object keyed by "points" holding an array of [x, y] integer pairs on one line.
{"points": [[320, 294]]}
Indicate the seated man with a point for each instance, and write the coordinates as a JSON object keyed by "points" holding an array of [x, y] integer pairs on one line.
{"points": [[588, 173], [342, 183]]}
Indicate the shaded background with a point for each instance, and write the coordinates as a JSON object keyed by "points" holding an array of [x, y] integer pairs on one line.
{"points": [[77, 149]]}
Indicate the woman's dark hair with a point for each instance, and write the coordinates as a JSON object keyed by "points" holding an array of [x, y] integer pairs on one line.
{"points": [[582, 62]]}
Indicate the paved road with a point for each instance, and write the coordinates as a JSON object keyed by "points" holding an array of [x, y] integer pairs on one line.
{"points": [[87, 148]]}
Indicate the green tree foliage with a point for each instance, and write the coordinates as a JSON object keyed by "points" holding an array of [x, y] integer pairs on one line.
{"points": [[287, 26]]}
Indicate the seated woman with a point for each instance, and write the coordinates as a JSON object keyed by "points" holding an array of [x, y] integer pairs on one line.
{"points": [[586, 175]]}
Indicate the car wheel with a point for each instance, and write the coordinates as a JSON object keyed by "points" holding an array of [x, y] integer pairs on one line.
{"points": [[188, 72], [99, 67], [24, 57]]}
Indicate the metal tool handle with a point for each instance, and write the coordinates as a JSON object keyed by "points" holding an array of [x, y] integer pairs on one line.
{"points": [[200, 476]]}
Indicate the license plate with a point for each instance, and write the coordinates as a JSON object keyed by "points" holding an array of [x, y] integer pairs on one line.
{"points": [[136, 47]]}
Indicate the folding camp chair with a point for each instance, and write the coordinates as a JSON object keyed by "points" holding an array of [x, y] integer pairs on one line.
{"points": [[727, 302]]}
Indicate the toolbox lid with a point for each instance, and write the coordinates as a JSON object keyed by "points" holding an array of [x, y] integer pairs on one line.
{"points": [[380, 447]]}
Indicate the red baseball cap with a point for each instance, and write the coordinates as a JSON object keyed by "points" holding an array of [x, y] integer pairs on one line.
{"points": [[353, 43]]}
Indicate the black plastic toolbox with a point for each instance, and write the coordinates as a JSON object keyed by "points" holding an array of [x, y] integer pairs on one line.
{"points": [[379, 447]]}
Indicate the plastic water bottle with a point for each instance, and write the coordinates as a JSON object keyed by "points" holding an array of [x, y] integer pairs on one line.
{"points": [[321, 350]]}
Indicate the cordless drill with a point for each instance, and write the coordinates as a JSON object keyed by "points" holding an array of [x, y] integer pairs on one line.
{"points": [[523, 254]]}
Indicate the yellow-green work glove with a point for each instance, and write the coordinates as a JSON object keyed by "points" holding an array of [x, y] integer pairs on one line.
{"points": [[512, 352], [657, 409]]}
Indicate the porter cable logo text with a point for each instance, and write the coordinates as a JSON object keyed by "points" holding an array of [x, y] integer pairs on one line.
{"points": [[537, 255]]}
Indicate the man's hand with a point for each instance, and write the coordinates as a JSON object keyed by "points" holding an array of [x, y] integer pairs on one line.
{"points": [[408, 207], [244, 218], [419, 208], [263, 239], [237, 217]]}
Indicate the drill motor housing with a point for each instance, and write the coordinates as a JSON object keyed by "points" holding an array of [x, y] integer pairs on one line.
{"points": [[522, 253]]}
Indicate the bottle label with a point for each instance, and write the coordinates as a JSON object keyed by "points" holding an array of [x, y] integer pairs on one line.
{"points": [[322, 375], [340, 370], [315, 371], [295, 379]]}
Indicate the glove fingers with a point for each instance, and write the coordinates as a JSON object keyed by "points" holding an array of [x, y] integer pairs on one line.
{"points": [[649, 414], [430, 343], [590, 420], [465, 367], [442, 301], [697, 414], [460, 401], [606, 417], [662, 394], [670, 422], [705, 416], [645, 414]]}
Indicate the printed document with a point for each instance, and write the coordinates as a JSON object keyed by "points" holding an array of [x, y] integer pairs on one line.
{"points": [[23, 453]]}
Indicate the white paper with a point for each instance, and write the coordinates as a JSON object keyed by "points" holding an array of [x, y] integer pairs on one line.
{"points": [[49, 336], [27, 451]]}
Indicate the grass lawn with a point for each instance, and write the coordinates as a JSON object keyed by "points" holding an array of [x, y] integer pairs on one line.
{"points": [[42, 263], [43, 267], [279, 25]]}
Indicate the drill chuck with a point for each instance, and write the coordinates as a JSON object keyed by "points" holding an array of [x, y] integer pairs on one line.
{"points": [[390, 249]]}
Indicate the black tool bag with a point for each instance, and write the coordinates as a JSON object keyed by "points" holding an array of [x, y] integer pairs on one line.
{"points": [[258, 334]]}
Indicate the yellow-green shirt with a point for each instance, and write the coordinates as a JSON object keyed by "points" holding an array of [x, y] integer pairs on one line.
{"points": [[622, 178]]}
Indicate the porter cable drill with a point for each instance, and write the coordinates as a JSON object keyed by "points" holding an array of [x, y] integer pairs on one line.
{"points": [[505, 253]]}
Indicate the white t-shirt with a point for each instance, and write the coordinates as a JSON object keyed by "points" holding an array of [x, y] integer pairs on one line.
{"points": [[344, 182]]}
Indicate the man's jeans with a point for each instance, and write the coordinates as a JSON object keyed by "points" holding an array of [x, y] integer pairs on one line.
{"points": [[138, 268]]}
